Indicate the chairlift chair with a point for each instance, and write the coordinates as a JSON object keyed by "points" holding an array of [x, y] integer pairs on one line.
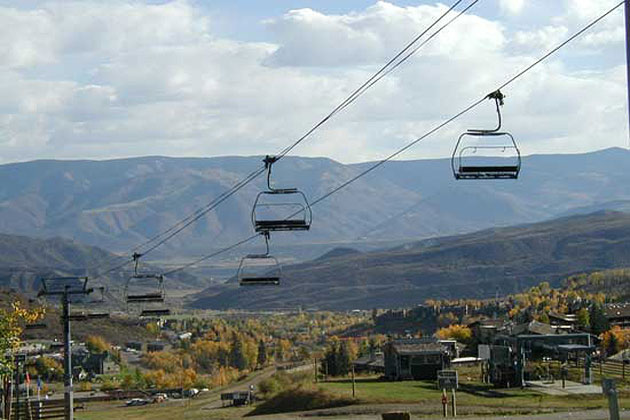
{"points": [[260, 269], [285, 209], [487, 154], [146, 290]]}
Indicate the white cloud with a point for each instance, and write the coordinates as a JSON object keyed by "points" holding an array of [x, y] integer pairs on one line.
{"points": [[109, 79], [310, 38], [541, 39], [513, 7]]}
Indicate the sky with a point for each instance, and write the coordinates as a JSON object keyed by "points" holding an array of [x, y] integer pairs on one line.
{"points": [[121, 78]]}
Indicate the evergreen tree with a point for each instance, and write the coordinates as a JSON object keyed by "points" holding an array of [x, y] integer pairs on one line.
{"points": [[262, 354], [329, 363], [237, 356], [343, 359], [599, 322], [613, 345]]}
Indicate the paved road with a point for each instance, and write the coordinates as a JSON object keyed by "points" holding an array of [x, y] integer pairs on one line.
{"points": [[356, 413]]}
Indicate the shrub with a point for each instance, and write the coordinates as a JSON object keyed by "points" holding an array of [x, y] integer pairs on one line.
{"points": [[301, 398]]}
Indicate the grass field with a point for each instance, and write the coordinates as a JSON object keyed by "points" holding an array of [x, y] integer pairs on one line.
{"points": [[421, 396], [472, 398], [172, 410]]}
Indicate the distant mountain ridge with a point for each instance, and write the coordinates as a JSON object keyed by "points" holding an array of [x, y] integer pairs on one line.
{"points": [[476, 265], [24, 261], [117, 204]]}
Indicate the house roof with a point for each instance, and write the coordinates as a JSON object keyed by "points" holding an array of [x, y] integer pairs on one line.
{"points": [[375, 360], [488, 323], [570, 318], [416, 346], [533, 327], [616, 310]]}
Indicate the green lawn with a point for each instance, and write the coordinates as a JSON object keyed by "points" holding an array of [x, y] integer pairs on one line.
{"points": [[478, 397], [473, 398]]}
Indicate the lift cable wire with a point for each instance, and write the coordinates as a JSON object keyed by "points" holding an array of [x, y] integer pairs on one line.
{"points": [[427, 134], [392, 64], [179, 226], [369, 83], [207, 257]]}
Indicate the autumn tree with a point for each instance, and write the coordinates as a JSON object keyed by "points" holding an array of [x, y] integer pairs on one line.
{"points": [[96, 344], [583, 318], [457, 332], [11, 328], [48, 368]]}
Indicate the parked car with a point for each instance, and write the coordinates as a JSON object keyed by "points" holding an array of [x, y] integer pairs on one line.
{"points": [[136, 402]]}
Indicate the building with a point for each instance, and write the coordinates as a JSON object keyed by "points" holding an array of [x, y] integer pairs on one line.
{"points": [[511, 355], [370, 363], [95, 363], [534, 328], [560, 321], [485, 330], [618, 314], [415, 358]]}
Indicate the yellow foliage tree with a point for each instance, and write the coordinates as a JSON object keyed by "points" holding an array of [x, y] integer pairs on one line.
{"points": [[457, 332], [96, 344], [11, 328]]}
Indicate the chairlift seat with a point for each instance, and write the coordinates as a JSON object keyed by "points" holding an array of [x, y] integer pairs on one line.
{"points": [[148, 313], [281, 225], [474, 169], [260, 281], [149, 297], [487, 172]]}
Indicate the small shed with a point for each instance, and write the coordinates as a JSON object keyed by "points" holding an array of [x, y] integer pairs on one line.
{"points": [[415, 358]]}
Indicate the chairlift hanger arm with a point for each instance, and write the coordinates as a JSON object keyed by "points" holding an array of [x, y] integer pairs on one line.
{"points": [[498, 97], [269, 161]]}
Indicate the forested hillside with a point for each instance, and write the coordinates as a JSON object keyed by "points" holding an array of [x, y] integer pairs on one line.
{"points": [[505, 260]]}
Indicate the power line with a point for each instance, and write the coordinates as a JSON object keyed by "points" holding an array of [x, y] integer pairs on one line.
{"points": [[430, 132], [392, 64]]}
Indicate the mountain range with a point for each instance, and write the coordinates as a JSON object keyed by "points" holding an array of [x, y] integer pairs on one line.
{"points": [[477, 265], [25, 260], [118, 204]]}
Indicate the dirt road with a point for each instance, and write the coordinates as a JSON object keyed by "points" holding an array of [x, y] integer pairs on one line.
{"points": [[214, 401]]}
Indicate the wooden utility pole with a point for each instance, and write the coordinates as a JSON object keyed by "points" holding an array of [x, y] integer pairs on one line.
{"points": [[353, 383]]}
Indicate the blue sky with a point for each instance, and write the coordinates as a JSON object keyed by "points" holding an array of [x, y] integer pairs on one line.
{"points": [[94, 79]]}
